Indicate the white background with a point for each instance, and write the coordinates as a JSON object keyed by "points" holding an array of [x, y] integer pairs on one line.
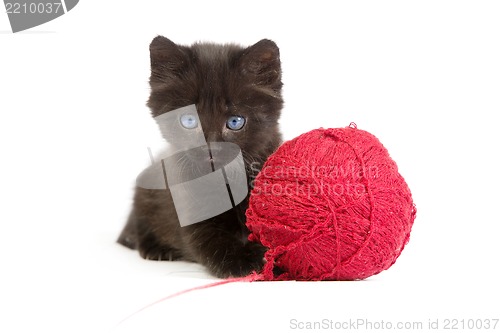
{"points": [[423, 76]]}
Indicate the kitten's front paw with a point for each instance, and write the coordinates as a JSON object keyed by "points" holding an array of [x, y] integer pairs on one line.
{"points": [[248, 259], [150, 249]]}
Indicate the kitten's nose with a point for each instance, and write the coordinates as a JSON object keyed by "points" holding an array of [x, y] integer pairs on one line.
{"points": [[207, 151], [214, 149], [212, 137]]}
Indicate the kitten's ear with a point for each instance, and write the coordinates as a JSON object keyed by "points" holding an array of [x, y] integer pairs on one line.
{"points": [[262, 60], [166, 56]]}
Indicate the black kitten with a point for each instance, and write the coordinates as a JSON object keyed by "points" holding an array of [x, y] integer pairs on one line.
{"points": [[223, 81]]}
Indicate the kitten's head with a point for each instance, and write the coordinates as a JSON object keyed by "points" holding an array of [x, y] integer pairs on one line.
{"points": [[236, 90]]}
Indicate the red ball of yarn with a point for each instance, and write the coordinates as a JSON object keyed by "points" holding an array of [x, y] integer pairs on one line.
{"points": [[330, 205]]}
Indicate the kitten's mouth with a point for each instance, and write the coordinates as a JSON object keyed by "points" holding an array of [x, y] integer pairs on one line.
{"points": [[210, 157]]}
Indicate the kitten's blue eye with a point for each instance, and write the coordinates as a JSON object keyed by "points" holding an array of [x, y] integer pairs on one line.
{"points": [[189, 121], [235, 123]]}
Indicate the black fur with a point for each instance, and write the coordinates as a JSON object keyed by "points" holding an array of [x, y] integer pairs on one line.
{"points": [[222, 80]]}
